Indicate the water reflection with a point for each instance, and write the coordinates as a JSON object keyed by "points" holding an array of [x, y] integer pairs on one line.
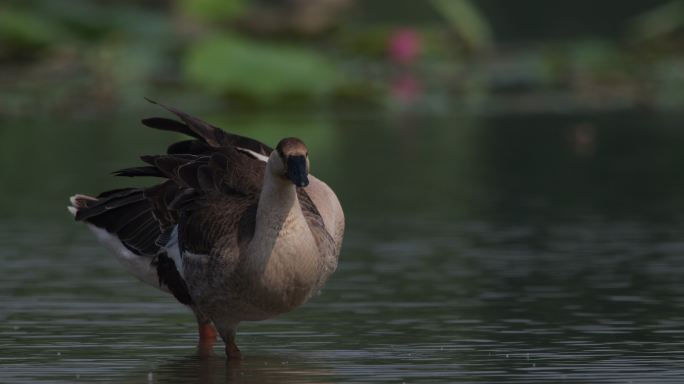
{"points": [[215, 369]]}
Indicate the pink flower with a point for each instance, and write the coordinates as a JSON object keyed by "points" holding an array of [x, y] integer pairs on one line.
{"points": [[404, 45]]}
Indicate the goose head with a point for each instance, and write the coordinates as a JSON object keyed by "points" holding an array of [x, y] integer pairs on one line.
{"points": [[291, 161]]}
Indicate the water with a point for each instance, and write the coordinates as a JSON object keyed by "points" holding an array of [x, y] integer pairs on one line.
{"points": [[503, 249]]}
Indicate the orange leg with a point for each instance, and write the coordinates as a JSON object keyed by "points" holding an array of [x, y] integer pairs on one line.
{"points": [[207, 333], [207, 338]]}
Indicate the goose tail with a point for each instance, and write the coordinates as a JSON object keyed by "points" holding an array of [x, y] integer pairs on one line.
{"points": [[78, 202]]}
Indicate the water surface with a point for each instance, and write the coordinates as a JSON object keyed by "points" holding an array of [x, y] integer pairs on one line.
{"points": [[502, 249]]}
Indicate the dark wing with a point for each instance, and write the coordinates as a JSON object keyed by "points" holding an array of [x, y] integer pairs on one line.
{"points": [[143, 217], [209, 134], [197, 173], [126, 213]]}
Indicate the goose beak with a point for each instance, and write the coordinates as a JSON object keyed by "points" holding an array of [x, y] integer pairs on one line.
{"points": [[296, 171]]}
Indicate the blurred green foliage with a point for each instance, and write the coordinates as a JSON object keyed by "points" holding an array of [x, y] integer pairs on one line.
{"points": [[212, 10], [101, 52], [468, 21], [23, 32], [660, 21], [265, 70]]}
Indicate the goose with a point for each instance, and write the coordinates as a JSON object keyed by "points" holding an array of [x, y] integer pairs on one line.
{"points": [[235, 230]]}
